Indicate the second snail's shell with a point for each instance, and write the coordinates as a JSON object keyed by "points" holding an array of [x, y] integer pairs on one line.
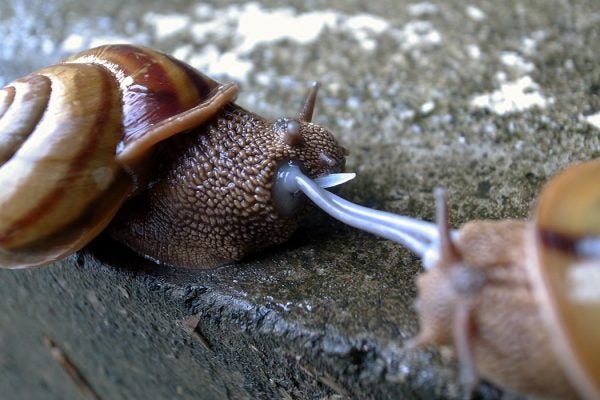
{"points": [[565, 271]]}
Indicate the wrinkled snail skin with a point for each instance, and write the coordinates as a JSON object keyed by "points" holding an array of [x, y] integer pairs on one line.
{"points": [[216, 182], [125, 123], [521, 310]]}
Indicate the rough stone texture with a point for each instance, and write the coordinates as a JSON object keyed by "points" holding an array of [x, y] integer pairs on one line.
{"points": [[327, 314]]}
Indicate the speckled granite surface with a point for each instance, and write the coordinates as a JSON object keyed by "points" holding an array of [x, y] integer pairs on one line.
{"points": [[486, 99]]}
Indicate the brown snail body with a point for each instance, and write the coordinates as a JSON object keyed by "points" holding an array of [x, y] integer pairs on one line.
{"points": [[127, 128], [520, 300]]}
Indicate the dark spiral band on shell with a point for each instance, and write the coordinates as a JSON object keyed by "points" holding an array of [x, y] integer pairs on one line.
{"points": [[21, 109], [578, 246], [153, 85]]}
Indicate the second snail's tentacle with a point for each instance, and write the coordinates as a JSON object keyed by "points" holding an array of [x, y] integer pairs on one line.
{"points": [[463, 332], [414, 234], [447, 250]]}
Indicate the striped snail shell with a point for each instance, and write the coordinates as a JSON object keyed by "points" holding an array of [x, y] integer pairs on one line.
{"points": [[566, 271], [520, 300], [126, 134]]}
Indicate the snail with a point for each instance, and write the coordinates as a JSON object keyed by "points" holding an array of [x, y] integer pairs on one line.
{"points": [[128, 139], [518, 300]]}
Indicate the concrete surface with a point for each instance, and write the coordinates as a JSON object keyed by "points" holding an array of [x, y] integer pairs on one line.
{"points": [[486, 99]]}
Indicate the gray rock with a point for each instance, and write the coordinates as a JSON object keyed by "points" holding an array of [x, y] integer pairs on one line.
{"points": [[488, 100]]}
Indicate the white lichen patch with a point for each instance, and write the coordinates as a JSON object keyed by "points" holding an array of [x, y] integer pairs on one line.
{"points": [[427, 107], [365, 29], [251, 25], [475, 13], [514, 96], [529, 44], [258, 26], [166, 25], [422, 9], [112, 39], [417, 34], [76, 42], [48, 46], [248, 26], [214, 62], [354, 102], [593, 120], [183, 52], [516, 61], [223, 40], [473, 51]]}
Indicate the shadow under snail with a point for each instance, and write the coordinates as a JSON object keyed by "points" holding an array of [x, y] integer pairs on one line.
{"points": [[130, 138], [518, 300]]}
